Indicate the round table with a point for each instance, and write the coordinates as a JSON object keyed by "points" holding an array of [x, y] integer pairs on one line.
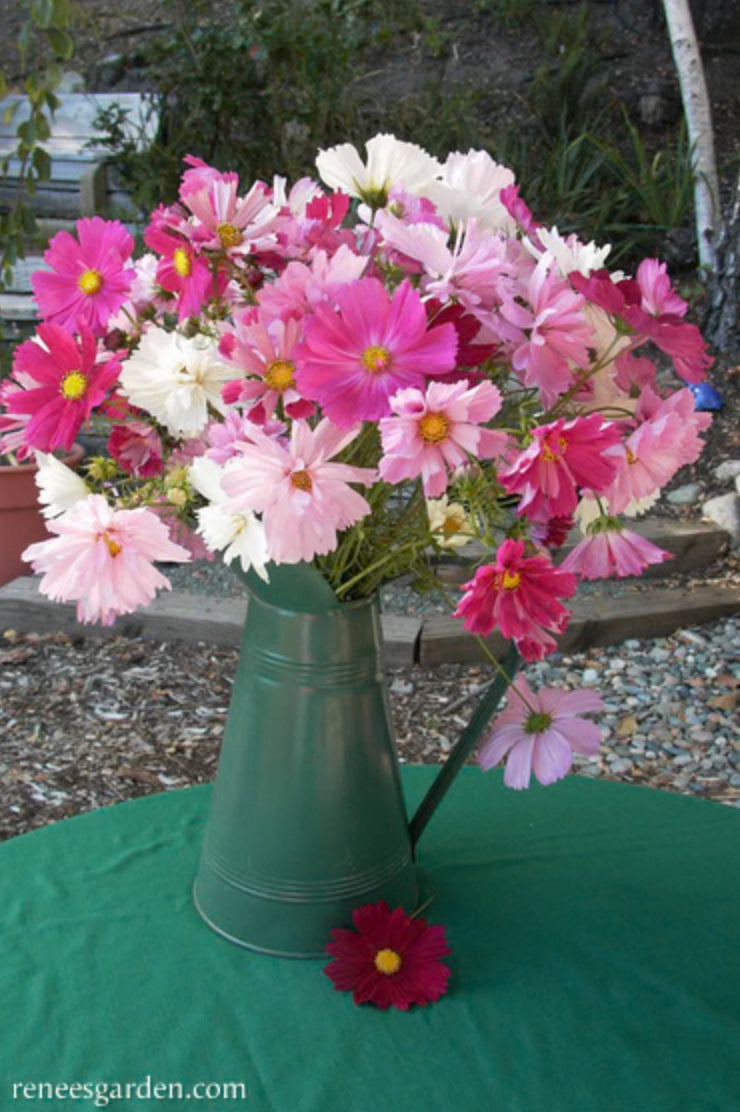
{"points": [[595, 966]]}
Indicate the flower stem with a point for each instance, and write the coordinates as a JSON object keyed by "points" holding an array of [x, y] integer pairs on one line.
{"points": [[464, 746]]}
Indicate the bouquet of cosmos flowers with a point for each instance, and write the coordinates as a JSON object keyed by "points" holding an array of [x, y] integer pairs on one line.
{"points": [[362, 374]]}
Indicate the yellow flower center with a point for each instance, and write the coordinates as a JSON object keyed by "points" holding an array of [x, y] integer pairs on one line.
{"points": [[509, 580], [631, 457], [90, 281], [388, 962], [113, 546], [279, 375], [375, 359], [74, 386], [301, 480], [434, 427], [229, 235], [548, 456], [181, 262]]}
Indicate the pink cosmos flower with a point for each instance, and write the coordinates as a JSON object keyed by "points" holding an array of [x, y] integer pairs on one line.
{"points": [[435, 433], [223, 437], [226, 221], [518, 595], [476, 270], [555, 333], [304, 499], [302, 287], [609, 549], [89, 276], [563, 456], [638, 303], [389, 959], [654, 451], [182, 271], [352, 361], [540, 732], [137, 447], [692, 422], [266, 354], [59, 384], [103, 559]]}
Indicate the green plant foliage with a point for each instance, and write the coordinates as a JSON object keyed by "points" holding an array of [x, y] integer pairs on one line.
{"points": [[43, 42]]}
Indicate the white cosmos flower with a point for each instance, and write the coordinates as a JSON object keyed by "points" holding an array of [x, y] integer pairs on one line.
{"points": [[471, 185], [176, 380], [59, 486], [571, 254], [239, 535], [390, 161]]}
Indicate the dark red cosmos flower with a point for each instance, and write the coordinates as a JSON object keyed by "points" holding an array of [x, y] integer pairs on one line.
{"points": [[389, 958]]}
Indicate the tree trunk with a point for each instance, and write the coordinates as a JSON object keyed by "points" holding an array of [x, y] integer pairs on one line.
{"points": [[698, 115], [723, 289]]}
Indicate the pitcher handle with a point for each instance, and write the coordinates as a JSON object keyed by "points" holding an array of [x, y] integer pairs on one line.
{"points": [[464, 746]]}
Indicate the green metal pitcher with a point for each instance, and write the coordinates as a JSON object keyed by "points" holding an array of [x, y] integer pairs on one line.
{"points": [[307, 818]]}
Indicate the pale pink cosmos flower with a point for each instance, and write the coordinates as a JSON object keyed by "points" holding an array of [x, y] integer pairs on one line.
{"points": [[435, 433], [103, 559], [89, 277], [563, 456], [609, 549], [223, 437], [304, 499], [539, 732], [693, 422], [478, 268], [555, 332], [353, 360], [666, 439]]}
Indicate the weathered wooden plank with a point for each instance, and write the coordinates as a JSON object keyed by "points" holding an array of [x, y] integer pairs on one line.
{"points": [[596, 621], [73, 123], [172, 616]]}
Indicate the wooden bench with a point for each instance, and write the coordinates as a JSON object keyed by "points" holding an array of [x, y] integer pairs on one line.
{"points": [[80, 183]]}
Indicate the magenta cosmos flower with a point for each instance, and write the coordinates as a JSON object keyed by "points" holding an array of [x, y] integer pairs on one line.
{"points": [[303, 498], [540, 732], [435, 433], [61, 385], [389, 959], [355, 358], [89, 277], [103, 559], [563, 456], [519, 595]]}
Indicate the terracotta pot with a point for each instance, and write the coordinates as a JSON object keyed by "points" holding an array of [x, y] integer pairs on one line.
{"points": [[21, 521]]}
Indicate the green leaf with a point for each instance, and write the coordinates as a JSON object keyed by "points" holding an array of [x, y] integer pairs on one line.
{"points": [[60, 42], [42, 164], [53, 76], [42, 11], [3, 84]]}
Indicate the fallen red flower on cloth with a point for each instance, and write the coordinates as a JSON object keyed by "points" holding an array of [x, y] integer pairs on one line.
{"points": [[390, 958]]}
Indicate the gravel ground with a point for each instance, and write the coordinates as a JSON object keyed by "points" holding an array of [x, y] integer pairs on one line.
{"points": [[85, 723]]}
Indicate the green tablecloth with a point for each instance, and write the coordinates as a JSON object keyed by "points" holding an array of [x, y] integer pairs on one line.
{"points": [[595, 966]]}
